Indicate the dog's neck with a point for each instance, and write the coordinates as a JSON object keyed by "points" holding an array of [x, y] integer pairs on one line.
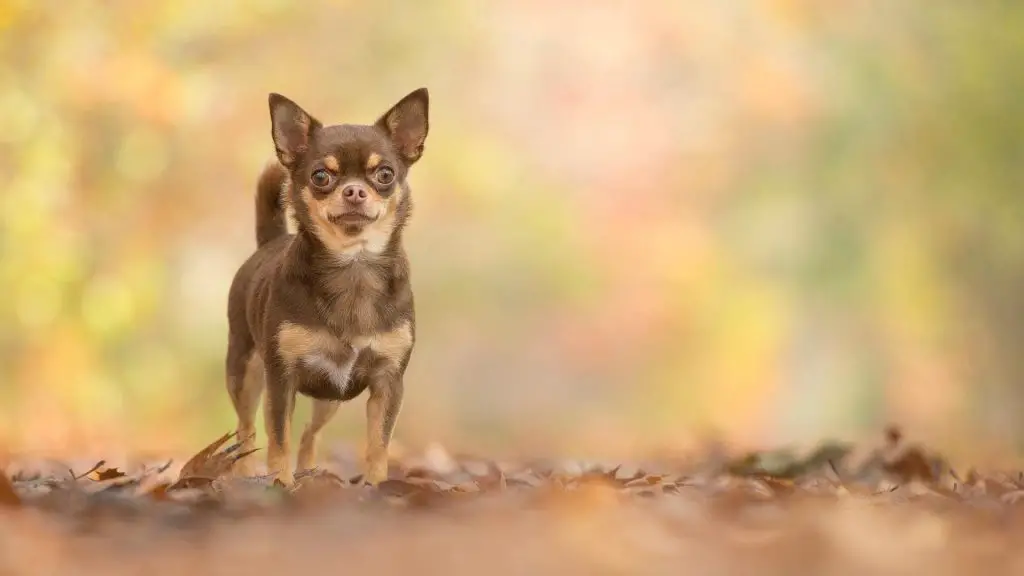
{"points": [[318, 260], [344, 288]]}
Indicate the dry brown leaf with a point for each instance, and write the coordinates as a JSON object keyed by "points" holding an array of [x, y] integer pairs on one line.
{"points": [[98, 486], [428, 498], [314, 484], [108, 474], [486, 475], [158, 492], [421, 472], [8, 497], [911, 464], [191, 483], [599, 479], [86, 474], [1012, 498], [648, 480], [779, 486], [400, 488], [210, 464], [993, 487]]}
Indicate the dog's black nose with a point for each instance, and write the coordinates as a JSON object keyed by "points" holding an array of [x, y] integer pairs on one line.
{"points": [[354, 193]]}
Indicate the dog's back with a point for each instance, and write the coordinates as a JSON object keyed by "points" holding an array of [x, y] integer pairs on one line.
{"points": [[272, 239]]}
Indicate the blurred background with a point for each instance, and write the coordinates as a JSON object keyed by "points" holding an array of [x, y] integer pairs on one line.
{"points": [[637, 224]]}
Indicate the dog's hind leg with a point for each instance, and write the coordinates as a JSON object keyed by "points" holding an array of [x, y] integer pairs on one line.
{"points": [[245, 382]]}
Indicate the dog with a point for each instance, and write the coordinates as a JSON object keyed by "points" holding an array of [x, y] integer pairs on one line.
{"points": [[324, 306]]}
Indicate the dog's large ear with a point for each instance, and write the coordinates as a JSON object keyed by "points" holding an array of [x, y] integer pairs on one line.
{"points": [[407, 124], [292, 129]]}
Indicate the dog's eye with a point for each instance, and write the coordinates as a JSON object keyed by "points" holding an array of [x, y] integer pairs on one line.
{"points": [[321, 178], [384, 175]]}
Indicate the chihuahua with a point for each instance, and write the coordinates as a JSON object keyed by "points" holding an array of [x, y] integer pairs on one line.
{"points": [[324, 306]]}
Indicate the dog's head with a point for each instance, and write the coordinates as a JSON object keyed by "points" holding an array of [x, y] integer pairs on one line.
{"points": [[348, 181]]}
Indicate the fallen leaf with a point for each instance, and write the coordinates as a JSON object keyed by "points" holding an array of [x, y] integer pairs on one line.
{"points": [[108, 474], [911, 464], [191, 483], [157, 492], [8, 497], [779, 486], [211, 464], [644, 481], [85, 474], [398, 488]]}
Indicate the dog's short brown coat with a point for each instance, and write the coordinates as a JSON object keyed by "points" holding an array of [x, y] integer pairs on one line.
{"points": [[327, 311]]}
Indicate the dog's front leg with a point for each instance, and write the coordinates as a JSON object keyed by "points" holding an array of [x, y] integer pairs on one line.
{"points": [[277, 418], [382, 408]]}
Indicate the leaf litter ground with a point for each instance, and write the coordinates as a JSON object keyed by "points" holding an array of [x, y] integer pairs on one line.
{"points": [[896, 509]]}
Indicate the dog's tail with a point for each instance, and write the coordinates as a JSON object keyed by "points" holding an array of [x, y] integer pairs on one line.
{"points": [[271, 220]]}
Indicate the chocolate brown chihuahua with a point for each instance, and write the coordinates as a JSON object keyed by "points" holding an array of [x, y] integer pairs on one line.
{"points": [[326, 311]]}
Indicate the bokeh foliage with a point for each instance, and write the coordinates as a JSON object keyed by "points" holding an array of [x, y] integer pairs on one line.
{"points": [[777, 219]]}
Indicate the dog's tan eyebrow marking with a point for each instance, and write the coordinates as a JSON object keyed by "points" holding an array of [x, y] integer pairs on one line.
{"points": [[331, 163], [373, 161]]}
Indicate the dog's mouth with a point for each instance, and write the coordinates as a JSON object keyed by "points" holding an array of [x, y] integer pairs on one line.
{"points": [[350, 218]]}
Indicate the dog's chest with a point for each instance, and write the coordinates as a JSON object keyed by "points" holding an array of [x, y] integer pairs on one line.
{"points": [[328, 373], [327, 365], [354, 302]]}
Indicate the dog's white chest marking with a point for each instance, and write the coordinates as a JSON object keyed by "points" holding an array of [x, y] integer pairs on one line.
{"points": [[323, 353], [338, 374]]}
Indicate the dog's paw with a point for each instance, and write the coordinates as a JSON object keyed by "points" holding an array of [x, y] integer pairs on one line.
{"points": [[375, 471], [284, 480]]}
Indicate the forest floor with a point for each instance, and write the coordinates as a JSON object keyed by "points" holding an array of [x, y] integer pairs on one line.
{"points": [[893, 509]]}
